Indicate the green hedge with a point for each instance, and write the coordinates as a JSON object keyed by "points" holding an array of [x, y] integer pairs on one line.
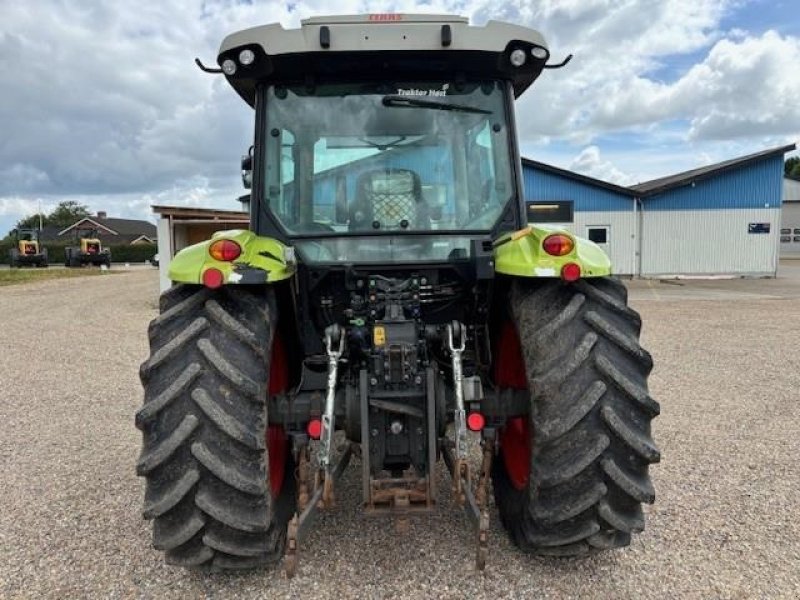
{"points": [[123, 253]]}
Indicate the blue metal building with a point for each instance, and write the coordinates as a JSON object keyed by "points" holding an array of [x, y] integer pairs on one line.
{"points": [[723, 219], [602, 212]]}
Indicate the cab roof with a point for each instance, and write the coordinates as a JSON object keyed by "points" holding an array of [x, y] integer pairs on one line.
{"points": [[383, 46]]}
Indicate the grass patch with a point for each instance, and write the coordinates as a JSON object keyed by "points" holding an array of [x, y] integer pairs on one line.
{"points": [[15, 276]]}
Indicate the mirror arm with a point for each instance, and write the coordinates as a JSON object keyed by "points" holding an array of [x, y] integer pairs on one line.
{"points": [[560, 65], [205, 68]]}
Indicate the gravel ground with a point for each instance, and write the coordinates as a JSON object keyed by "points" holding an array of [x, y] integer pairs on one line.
{"points": [[726, 523]]}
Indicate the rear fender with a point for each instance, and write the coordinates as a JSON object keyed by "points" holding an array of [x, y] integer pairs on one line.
{"points": [[521, 254], [263, 260]]}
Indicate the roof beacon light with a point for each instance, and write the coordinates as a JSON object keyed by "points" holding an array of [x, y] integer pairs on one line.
{"points": [[228, 67], [517, 57], [246, 57]]}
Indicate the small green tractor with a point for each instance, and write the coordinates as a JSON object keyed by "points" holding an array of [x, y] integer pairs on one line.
{"points": [[27, 249], [88, 250], [391, 291]]}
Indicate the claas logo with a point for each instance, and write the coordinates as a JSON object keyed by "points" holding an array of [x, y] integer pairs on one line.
{"points": [[385, 17]]}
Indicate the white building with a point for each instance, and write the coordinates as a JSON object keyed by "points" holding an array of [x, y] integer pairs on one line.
{"points": [[790, 219]]}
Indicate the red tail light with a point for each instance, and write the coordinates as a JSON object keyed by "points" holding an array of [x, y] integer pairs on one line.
{"points": [[314, 429], [475, 421], [558, 244], [213, 278], [225, 250], [571, 272]]}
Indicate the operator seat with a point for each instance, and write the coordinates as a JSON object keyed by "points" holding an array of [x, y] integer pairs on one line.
{"points": [[391, 198]]}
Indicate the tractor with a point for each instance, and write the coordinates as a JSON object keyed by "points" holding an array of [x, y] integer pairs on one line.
{"points": [[88, 250], [27, 248], [395, 299]]}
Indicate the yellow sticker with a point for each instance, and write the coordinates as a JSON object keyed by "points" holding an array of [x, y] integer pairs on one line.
{"points": [[379, 335]]}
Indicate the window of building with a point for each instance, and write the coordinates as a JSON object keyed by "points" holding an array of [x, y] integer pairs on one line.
{"points": [[552, 211], [785, 239], [797, 238], [786, 232], [797, 231], [598, 233]]}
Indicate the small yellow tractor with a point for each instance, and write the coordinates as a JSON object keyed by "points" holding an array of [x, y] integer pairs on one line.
{"points": [[27, 249], [87, 251]]}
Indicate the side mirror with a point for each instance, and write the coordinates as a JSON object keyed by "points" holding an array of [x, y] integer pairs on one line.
{"points": [[247, 171]]}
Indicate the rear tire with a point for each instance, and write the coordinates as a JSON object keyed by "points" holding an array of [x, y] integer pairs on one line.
{"points": [[205, 453], [588, 439]]}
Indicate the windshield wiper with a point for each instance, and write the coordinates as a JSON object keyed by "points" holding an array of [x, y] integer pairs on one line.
{"points": [[413, 102], [387, 145]]}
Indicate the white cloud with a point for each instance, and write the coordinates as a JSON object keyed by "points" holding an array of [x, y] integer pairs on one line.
{"points": [[614, 42], [744, 88], [589, 163], [15, 206]]}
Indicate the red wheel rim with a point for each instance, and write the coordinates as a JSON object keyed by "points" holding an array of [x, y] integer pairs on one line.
{"points": [[509, 373], [277, 442], [277, 445], [278, 367], [509, 367], [515, 444]]}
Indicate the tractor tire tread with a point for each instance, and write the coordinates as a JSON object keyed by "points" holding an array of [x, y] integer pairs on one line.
{"points": [[204, 422], [590, 419]]}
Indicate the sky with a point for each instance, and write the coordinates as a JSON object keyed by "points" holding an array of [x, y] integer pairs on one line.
{"points": [[100, 101]]}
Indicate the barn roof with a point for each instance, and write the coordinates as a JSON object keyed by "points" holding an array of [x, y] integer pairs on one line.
{"points": [[656, 186]]}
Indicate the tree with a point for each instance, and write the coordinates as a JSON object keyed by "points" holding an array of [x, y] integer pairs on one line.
{"points": [[791, 167], [66, 213], [63, 215], [32, 221]]}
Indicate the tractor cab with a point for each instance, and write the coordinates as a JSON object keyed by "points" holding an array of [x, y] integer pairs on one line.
{"points": [[384, 138], [89, 240], [373, 172], [28, 241]]}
